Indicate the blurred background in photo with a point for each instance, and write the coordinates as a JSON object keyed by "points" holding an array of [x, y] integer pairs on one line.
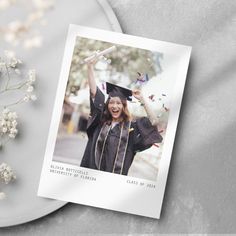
{"points": [[128, 67]]}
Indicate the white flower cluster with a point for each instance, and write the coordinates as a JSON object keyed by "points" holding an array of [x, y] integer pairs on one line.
{"points": [[8, 123], [29, 96], [9, 64], [6, 173], [8, 119], [13, 61], [4, 4], [22, 30]]}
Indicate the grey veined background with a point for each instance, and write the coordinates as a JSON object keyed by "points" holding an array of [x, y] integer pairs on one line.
{"points": [[200, 194]]}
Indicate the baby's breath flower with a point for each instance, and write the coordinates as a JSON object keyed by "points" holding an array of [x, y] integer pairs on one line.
{"points": [[13, 63], [14, 123], [5, 111], [23, 32], [4, 129], [32, 76], [13, 131], [9, 54], [43, 5], [30, 89], [35, 41], [33, 97], [17, 71], [4, 4], [6, 173], [3, 122], [12, 135], [12, 115], [8, 118], [8, 123], [26, 98]]}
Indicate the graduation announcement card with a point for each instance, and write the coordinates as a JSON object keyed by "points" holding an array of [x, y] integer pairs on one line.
{"points": [[114, 121]]}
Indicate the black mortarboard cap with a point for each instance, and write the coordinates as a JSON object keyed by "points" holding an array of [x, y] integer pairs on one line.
{"points": [[117, 91]]}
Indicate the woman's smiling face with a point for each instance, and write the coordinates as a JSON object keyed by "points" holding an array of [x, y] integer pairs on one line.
{"points": [[115, 107]]}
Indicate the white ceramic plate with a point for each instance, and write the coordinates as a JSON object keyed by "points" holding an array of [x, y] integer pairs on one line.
{"points": [[25, 154]]}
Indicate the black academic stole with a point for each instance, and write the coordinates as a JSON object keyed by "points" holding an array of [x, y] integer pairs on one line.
{"points": [[121, 146]]}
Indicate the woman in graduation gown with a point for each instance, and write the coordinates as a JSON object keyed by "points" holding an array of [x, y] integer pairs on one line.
{"points": [[113, 137]]}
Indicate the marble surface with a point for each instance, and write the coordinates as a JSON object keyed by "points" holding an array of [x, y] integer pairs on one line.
{"points": [[201, 186]]}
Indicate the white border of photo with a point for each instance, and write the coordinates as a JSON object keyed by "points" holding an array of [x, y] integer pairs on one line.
{"points": [[112, 191]]}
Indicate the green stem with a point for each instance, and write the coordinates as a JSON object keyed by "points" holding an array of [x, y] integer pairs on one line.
{"points": [[18, 86], [8, 77], [15, 103]]}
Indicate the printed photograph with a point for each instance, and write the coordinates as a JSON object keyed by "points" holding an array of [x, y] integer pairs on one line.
{"points": [[115, 110], [114, 121]]}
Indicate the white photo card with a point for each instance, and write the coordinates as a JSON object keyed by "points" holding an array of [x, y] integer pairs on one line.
{"points": [[114, 121]]}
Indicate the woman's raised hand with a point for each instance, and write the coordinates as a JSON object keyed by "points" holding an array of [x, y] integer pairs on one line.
{"points": [[91, 79], [138, 94], [92, 62]]}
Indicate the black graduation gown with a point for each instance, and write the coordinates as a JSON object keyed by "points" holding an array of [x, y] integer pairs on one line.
{"points": [[142, 136]]}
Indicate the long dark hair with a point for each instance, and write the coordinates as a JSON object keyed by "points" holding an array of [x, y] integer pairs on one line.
{"points": [[125, 114]]}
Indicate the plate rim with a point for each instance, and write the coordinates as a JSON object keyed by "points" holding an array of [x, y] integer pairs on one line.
{"points": [[111, 16], [56, 204], [6, 222]]}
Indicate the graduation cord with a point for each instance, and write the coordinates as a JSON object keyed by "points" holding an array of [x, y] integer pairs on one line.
{"points": [[103, 146], [121, 147], [118, 148], [125, 149]]}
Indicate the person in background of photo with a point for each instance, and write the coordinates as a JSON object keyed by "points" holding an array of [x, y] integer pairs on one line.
{"points": [[113, 137]]}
